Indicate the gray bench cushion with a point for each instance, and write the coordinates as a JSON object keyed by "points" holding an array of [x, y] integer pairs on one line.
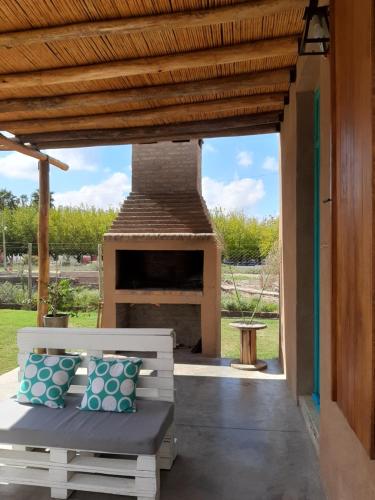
{"points": [[131, 433]]}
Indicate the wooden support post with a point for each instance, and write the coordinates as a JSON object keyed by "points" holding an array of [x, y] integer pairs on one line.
{"points": [[43, 251]]}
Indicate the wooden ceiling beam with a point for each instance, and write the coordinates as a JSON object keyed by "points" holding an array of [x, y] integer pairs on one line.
{"points": [[156, 132], [162, 22], [283, 46], [177, 113], [84, 143], [19, 147], [85, 101]]}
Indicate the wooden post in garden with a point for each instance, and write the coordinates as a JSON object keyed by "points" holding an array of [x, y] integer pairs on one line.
{"points": [[30, 270], [43, 250], [100, 270]]}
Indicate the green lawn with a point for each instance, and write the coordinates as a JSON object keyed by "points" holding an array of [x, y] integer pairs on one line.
{"points": [[11, 321]]}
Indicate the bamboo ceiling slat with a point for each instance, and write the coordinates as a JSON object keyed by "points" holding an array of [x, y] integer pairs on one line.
{"points": [[110, 48], [24, 14], [16, 15], [140, 117], [245, 11], [144, 104], [154, 79]]}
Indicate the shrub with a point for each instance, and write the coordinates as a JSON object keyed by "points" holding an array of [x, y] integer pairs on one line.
{"points": [[230, 303], [15, 294], [69, 299], [86, 299]]}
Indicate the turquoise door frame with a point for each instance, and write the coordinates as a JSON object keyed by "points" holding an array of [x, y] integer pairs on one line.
{"points": [[316, 391]]}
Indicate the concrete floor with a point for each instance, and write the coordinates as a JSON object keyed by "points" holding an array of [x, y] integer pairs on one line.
{"points": [[240, 435]]}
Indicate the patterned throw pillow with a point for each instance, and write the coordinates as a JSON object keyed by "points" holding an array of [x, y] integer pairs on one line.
{"points": [[111, 385], [46, 379]]}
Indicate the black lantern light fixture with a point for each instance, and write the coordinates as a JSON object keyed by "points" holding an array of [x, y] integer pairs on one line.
{"points": [[315, 38]]}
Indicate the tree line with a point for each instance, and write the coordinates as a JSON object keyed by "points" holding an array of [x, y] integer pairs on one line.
{"points": [[77, 231], [8, 200]]}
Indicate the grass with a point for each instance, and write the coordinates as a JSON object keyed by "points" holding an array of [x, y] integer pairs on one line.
{"points": [[12, 320]]}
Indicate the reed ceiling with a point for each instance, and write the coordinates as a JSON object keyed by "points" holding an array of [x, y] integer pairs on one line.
{"points": [[155, 63]]}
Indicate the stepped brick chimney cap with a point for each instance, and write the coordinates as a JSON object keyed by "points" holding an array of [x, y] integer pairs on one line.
{"points": [[166, 192]]}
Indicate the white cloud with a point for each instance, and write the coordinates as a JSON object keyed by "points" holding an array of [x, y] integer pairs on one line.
{"points": [[271, 163], [244, 158], [78, 159], [17, 166], [209, 148], [109, 193], [239, 194]]}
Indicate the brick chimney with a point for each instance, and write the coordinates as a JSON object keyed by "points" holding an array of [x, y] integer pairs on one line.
{"points": [[166, 192], [161, 257]]}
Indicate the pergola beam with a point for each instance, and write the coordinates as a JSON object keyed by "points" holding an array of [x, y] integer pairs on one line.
{"points": [[126, 26], [177, 113], [84, 143], [156, 132], [87, 100], [16, 145], [283, 46]]}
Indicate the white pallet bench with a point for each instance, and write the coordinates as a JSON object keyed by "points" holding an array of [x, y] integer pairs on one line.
{"points": [[66, 470]]}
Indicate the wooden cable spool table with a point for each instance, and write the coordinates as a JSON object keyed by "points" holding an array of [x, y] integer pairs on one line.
{"points": [[248, 353]]}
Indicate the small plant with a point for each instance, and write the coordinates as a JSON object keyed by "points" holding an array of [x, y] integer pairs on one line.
{"points": [[61, 297], [270, 267]]}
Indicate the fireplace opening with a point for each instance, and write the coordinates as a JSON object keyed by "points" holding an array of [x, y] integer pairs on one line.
{"points": [[159, 269], [184, 319]]}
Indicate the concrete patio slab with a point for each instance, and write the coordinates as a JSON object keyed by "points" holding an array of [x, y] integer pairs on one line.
{"points": [[241, 436]]}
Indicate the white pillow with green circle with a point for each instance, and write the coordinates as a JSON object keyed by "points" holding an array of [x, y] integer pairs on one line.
{"points": [[46, 379], [111, 385]]}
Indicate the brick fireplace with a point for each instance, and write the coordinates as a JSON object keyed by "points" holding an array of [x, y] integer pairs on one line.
{"points": [[161, 256]]}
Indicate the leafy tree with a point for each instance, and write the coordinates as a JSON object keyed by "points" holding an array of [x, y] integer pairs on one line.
{"points": [[8, 200], [24, 200], [34, 199], [245, 238], [77, 231]]}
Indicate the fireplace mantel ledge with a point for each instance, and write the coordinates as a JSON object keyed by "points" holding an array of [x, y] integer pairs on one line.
{"points": [[159, 236]]}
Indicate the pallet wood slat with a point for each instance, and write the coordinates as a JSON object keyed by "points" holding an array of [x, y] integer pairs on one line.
{"points": [[148, 364], [29, 476], [100, 483], [25, 458], [151, 340]]}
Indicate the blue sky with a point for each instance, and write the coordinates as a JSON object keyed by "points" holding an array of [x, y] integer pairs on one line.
{"points": [[239, 173]]}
